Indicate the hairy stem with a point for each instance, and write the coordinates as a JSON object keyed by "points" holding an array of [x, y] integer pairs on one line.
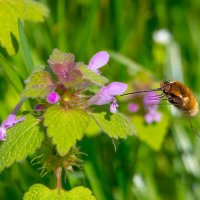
{"points": [[59, 177]]}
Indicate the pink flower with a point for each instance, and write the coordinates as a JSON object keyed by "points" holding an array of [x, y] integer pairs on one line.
{"points": [[8, 123], [153, 116], [107, 95], [52, 97], [151, 101], [11, 121], [38, 107], [99, 59], [2, 133], [133, 107], [114, 105]]}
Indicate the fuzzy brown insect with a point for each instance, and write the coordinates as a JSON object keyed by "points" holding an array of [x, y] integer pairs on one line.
{"points": [[180, 96]]}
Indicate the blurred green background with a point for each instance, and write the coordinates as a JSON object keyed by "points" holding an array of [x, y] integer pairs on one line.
{"points": [[141, 54]]}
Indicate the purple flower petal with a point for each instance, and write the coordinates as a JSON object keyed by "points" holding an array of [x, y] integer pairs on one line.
{"points": [[151, 101], [151, 98], [101, 98], [107, 93], [152, 116], [116, 88], [114, 105], [157, 117], [148, 118], [99, 59], [2, 133], [11, 121], [52, 97], [133, 107], [8, 123]]}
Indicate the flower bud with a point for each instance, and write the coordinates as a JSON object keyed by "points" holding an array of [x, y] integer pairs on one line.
{"points": [[52, 97]]}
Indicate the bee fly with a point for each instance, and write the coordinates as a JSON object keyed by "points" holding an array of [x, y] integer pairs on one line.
{"points": [[178, 95]]}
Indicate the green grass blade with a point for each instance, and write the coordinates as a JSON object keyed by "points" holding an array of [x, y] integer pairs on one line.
{"points": [[94, 181], [11, 74], [62, 24], [25, 47]]}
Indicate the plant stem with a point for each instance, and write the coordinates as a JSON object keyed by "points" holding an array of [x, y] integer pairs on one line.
{"points": [[18, 106], [59, 177]]}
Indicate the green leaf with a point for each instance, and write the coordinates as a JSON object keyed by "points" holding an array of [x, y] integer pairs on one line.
{"points": [[22, 140], [38, 85], [62, 58], [152, 134], [10, 12], [41, 192], [93, 77], [115, 125], [65, 126]]}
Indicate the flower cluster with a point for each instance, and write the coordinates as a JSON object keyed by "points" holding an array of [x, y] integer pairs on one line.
{"points": [[150, 102], [105, 95], [66, 86]]}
